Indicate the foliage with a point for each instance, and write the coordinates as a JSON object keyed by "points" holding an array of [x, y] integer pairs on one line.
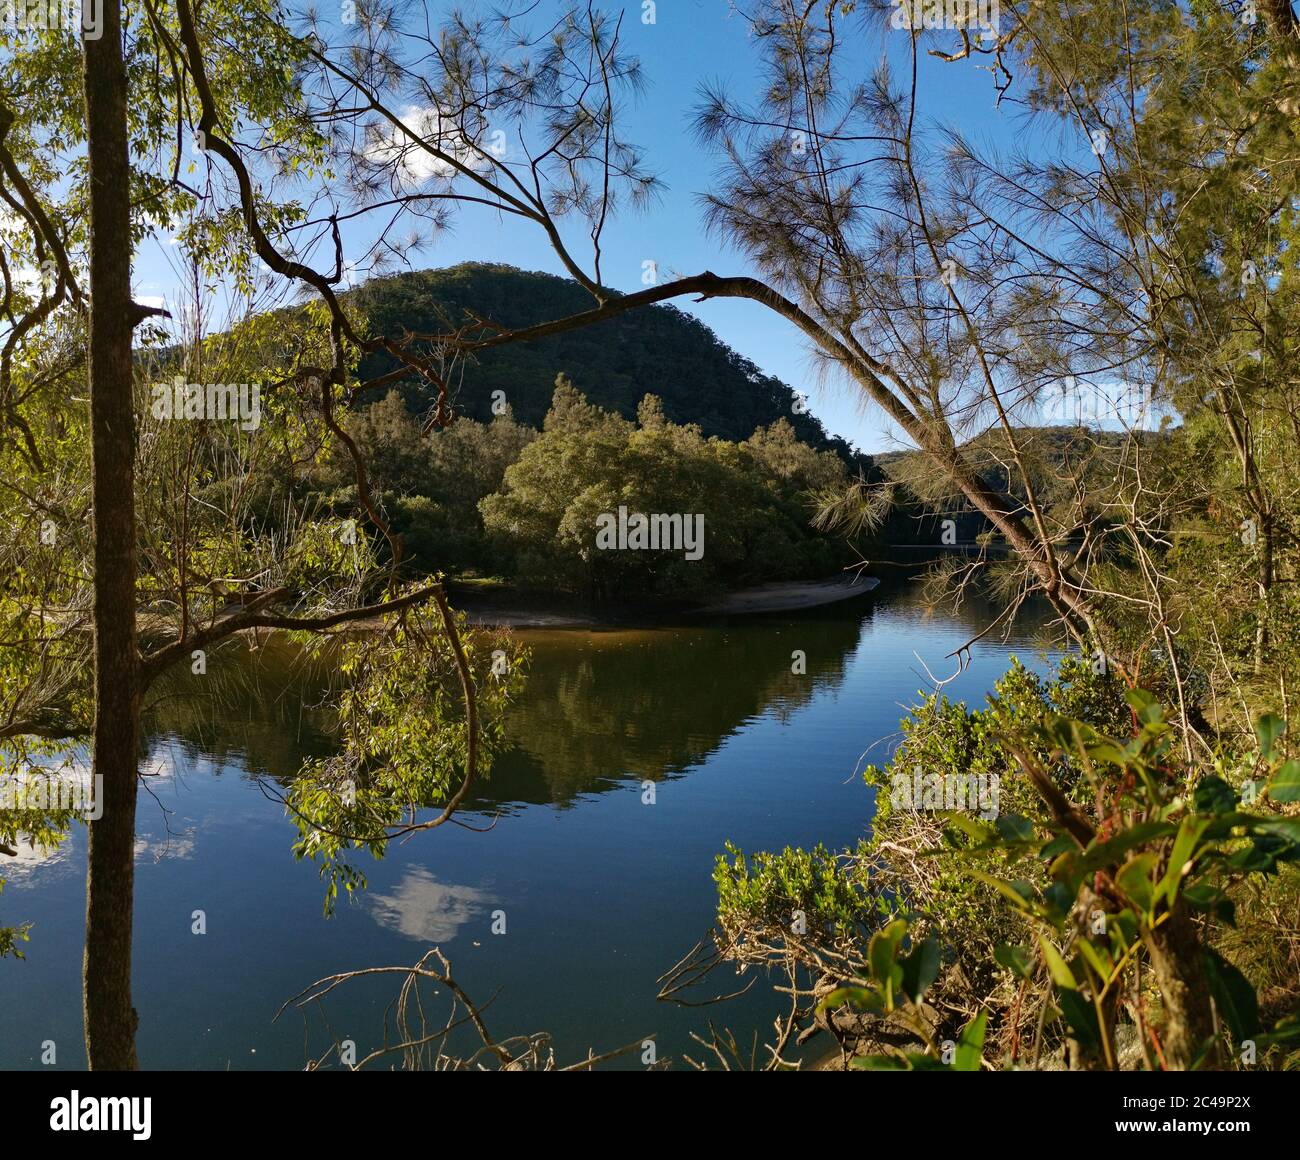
{"points": [[1118, 906], [1171, 840], [588, 463], [700, 380], [896, 986], [403, 742], [766, 892], [943, 738]]}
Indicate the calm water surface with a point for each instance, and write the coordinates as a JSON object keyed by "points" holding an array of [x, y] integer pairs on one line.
{"points": [[601, 892]]}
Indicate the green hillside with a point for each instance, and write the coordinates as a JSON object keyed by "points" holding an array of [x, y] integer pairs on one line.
{"points": [[659, 350]]}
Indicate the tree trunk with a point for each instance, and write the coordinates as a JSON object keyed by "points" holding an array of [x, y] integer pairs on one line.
{"points": [[110, 1019], [1265, 591], [1175, 952]]}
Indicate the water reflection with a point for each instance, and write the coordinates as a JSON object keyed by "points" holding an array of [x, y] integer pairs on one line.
{"points": [[179, 846], [426, 910], [600, 708], [603, 894], [260, 709], [605, 707]]}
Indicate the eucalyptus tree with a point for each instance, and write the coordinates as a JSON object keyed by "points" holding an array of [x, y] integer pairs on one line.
{"points": [[97, 135], [959, 291], [1125, 262], [255, 138]]}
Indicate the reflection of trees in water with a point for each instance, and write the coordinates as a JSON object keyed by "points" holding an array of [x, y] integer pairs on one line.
{"points": [[969, 612], [604, 707], [598, 709], [256, 709]]}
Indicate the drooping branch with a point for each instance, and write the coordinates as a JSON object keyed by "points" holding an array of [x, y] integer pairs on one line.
{"points": [[253, 615]]}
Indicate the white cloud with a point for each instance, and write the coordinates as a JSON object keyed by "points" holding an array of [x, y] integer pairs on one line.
{"points": [[426, 910], [175, 846], [30, 857], [414, 165]]}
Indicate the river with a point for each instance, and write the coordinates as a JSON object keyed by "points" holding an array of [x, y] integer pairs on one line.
{"points": [[599, 890]]}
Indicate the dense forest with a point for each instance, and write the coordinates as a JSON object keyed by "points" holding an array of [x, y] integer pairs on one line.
{"points": [[655, 369], [504, 499], [659, 351], [540, 438]]}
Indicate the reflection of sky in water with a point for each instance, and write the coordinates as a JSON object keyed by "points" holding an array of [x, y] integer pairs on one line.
{"points": [[163, 764], [603, 892], [424, 909], [164, 760], [31, 858], [174, 845]]}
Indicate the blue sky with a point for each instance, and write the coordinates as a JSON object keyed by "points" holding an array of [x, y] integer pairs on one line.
{"points": [[691, 42]]}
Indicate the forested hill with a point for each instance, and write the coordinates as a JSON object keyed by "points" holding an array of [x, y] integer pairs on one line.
{"points": [[659, 350]]}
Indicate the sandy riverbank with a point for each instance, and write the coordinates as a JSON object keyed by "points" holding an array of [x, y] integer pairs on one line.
{"points": [[765, 598], [789, 597]]}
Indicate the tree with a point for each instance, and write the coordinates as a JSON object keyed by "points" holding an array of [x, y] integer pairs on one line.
{"points": [[152, 70], [110, 1018], [972, 293], [748, 521]]}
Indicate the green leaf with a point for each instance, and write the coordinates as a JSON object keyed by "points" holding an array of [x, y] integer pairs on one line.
{"points": [[1061, 895], [1123, 930], [1233, 995], [1135, 879], [1081, 1016], [1189, 834], [1215, 796], [1057, 967], [1099, 854], [1146, 707], [1017, 893], [878, 1063], [1061, 844], [1060, 731], [970, 1044], [1108, 753], [972, 827], [1285, 786], [1209, 899], [859, 998], [921, 968], [1285, 828], [882, 954], [1015, 828], [1284, 1031], [1268, 728], [1016, 959], [1098, 958]]}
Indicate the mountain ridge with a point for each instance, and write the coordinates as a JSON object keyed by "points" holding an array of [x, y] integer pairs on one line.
{"points": [[659, 350]]}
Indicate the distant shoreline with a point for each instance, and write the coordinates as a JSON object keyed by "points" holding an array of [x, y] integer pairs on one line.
{"points": [[766, 598]]}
